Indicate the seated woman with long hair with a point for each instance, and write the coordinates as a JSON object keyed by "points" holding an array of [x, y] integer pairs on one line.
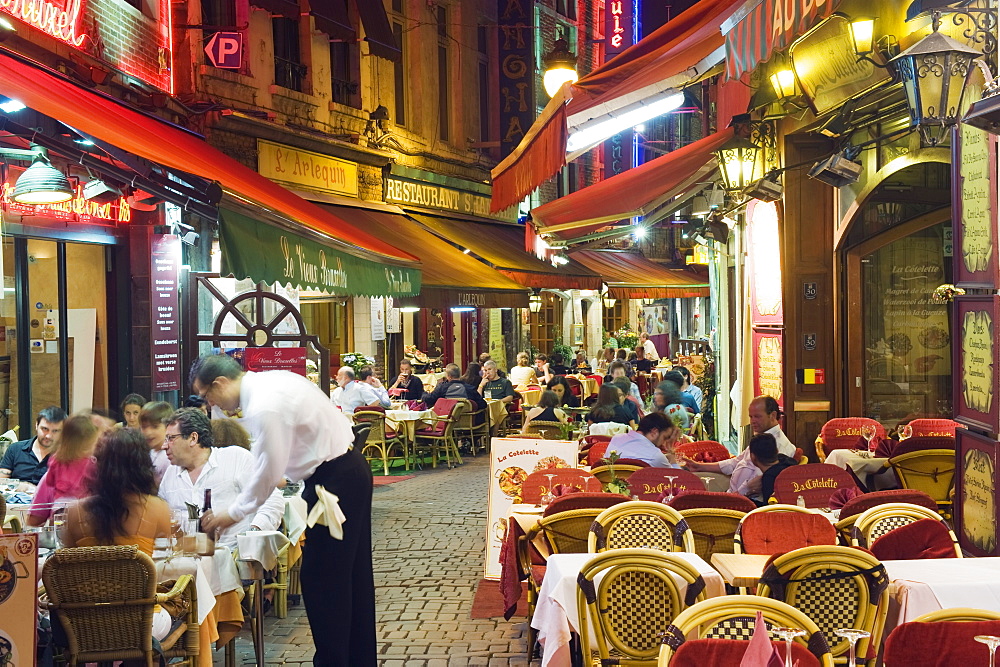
{"points": [[123, 507], [609, 407], [547, 410], [560, 385], [70, 471]]}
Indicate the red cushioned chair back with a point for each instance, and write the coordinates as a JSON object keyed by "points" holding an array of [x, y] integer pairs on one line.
{"points": [[696, 499], [924, 538], [769, 533], [949, 642], [652, 483], [631, 462], [642, 382], [707, 451], [934, 428], [582, 501], [843, 432], [373, 408], [597, 452], [815, 482], [869, 500], [537, 483], [575, 386], [444, 406], [921, 443], [729, 653]]}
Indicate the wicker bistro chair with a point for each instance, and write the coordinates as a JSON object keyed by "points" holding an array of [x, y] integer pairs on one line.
{"points": [[639, 593], [713, 530], [950, 642], [712, 499], [837, 587], [934, 427], [474, 425], [104, 597], [931, 471], [596, 452], [734, 617], [957, 614], [640, 524], [924, 538], [547, 430], [843, 433], [856, 506], [814, 482], [381, 440], [605, 473], [441, 435], [566, 532], [775, 529], [881, 519]]}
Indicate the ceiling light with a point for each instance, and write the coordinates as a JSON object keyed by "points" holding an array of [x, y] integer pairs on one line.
{"points": [[10, 106], [535, 303], [463, 309], [41, 183], [99, 191], [585, 136], [409, 309], [640, 232]]}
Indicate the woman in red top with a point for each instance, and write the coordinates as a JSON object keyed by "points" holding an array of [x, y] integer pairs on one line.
{"points": [[70, 469]]}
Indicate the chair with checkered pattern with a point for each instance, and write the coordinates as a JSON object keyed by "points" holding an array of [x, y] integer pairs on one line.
{"points": [[640, 524], [775, 529], [629, 597], [713, 529], [879, 520], [930, 470], [566, 532], [734, 617], [837, 587]]}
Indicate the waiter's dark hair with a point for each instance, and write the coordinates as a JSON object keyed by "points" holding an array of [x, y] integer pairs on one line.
{"points": [[211, 366], [764, 447]]}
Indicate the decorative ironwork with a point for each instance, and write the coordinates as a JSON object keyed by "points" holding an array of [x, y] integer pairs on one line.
{"points": [[978, 22]]}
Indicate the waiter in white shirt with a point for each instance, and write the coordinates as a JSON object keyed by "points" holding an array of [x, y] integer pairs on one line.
{"points": [[744, 476], [298, 433]]}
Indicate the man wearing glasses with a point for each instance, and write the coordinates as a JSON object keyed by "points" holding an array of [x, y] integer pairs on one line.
{"points": [[196, 466], [298, 433]]}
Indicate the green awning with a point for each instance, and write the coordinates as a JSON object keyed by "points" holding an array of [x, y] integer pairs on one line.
{"points": [[266, 253]]}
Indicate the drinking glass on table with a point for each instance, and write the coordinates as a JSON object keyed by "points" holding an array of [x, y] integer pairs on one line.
{"points": [[852, 635], [670, 489], [868, 433], [905, 431], [992, 641], [788, 634]]}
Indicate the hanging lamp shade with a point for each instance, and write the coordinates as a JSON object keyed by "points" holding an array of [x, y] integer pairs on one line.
{"points": [[41, 183]]}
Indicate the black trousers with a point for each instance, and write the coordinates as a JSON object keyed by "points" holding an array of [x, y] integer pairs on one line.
{"points": [[338, 586]]}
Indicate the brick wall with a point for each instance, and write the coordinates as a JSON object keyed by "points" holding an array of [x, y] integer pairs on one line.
{"points": [[130, 41]]}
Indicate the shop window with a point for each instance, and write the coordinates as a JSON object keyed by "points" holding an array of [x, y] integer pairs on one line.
{"points": [[344, 88], [613, 318], [289, 72], [546, 324]]}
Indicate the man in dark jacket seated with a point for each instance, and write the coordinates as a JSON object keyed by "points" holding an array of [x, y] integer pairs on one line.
{"points": [[453, 387], [764, 454]]}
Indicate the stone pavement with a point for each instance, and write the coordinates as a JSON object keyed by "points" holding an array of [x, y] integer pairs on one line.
{"points": [[429, 536]]}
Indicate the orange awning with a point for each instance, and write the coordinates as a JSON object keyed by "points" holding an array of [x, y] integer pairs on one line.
{"points": [[108, 120], [634, 192], [629, 275], [667, 58]]}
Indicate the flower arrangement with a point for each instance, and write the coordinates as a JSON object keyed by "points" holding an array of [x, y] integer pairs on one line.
{"points": [[945, 293], [414, 353], [617, 484], [356, 360], [627, 338]]}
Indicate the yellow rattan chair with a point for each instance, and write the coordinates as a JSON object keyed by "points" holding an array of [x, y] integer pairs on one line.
{"points": [[545, 429], [378, 447], [104, 599], [929, 470], [468, 428], [605, 473], [637, 596], [734, 617], [713, 529], [837, 587], [640, 524], [881, 519], [957, 614], [566, 532]]}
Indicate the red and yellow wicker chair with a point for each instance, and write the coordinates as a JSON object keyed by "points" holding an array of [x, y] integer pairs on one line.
{"points": [[712, 499], [777, 529], [713, 530], [878, 521], [934, 427], [931, 471], [640, 524], [539, 483], [652, 483], [924, 538], [843, 433], [815, 483]]}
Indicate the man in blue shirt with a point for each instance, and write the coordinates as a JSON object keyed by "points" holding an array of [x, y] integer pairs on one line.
{"points": [[651, 442], [687, 400], [353, 394], [27, 460]]}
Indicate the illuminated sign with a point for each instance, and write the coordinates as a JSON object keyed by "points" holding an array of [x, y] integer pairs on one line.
{"points": [[517, 69], [77, 209], [306, 169], [617, 31], [58, 21]]}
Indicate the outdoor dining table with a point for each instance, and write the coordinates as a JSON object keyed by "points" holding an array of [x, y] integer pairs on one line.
{"points": [[556, 614], [865, 466], [740, 570], [530, 396], [921, 586], [405, 421], [496, 411]]}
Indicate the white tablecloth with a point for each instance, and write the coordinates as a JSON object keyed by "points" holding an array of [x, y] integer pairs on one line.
{"points": [[922, 586], [262, 546], [607, 428], [863, 466], [204, 574], [556, 612]]}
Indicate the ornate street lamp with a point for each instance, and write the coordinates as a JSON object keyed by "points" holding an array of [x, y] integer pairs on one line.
{"points": [[934, 72], [560, 67], [740, 164], [535, 303]]}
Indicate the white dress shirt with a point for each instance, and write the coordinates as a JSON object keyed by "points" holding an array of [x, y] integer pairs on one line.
{"points": [[160, 463], [522, 376], [225, 473], [357, 394], [741, 469], [295, 428], [649, 348]]}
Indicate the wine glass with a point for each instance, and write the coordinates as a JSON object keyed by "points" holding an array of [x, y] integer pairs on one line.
{"points": [[868, 433], [670, 489], [905, 431], [992, 641], [549, 496], [788, 634], [852, 635]]}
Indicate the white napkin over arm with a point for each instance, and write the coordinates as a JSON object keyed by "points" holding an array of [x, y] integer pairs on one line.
{"points": [[327, 512]]}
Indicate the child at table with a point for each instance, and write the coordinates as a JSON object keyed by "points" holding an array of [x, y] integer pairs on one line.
{"points": [[70, 472]]}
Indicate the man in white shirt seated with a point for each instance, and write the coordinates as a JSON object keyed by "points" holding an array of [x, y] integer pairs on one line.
{"points": [[744, 476], [197, 466], [367, 376], [354, 394], [653, 441]]}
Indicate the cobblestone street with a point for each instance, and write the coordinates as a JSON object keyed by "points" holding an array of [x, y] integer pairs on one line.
{"points": [[429, 538]]}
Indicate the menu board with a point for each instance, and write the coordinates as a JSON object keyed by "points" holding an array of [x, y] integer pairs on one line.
{"points": [[18, 599], [974, 203], [764, 263], [976, 377], [511, 461], [767, 363], [165, 305], [975, 493]]}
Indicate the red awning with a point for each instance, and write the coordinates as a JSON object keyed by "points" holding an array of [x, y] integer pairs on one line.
{"points": [[656, 63], [630, 275], [110, 121], [637, 191]]}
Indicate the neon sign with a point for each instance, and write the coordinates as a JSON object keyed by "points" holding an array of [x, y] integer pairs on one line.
{"points": [[77, 209], [50, 18], [617, 29]]}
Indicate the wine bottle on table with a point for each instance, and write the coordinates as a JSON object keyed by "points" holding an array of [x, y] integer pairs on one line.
{"points": [[206, 508]]}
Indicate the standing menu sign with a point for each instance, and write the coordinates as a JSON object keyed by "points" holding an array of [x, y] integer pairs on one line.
{"points": [[767, 366], [974, 204], [976, 370], [511, 461], [18, 599], [165, 306]]}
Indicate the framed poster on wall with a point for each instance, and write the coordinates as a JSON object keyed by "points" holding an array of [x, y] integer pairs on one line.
{"points": [[976, 369], [974, 207], [767, 363], [976, 493]]}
